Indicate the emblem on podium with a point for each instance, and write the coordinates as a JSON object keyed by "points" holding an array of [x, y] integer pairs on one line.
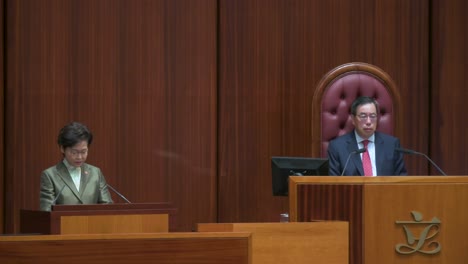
{"points": [[424, 241]]}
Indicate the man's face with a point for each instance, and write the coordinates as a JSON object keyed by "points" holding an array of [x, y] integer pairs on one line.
{"points": [[76, 155], [365, 120]]}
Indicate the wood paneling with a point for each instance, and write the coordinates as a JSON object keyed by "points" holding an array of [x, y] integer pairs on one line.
{"points": [[292, 243], [2, 121], [272, 53], [140, 73], [449, 86], [209, 248], [443, 202]]}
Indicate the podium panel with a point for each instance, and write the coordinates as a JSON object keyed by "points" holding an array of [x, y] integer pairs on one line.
{"points": [[397, 220], [111, 224], [100, 219]]}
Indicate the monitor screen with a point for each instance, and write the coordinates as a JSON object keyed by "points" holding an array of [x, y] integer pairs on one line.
{"points": [[283, 167]]}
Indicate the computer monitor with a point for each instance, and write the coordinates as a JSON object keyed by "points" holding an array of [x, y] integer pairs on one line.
{"points": [[283, 167]]}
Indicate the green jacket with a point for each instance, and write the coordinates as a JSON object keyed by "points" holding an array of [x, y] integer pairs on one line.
{"points": [[57, 184]]}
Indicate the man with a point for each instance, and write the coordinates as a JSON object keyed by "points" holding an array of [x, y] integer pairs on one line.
{"points": [[72, 181], [379, 157]]}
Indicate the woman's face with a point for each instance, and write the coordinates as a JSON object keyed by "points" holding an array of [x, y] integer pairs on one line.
{"points": [[76, 155]]}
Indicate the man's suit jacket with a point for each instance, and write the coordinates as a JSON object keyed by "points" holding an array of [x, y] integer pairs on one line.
{"points": [[56, 181], [388, 161]]}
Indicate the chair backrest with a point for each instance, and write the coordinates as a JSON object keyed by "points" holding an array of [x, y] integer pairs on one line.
{"points": [[335, 93]]}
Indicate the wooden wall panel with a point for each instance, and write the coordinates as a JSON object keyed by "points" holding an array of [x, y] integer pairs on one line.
{"points": [[140, 73], [272, 53], [449, 71], [2, 121]]}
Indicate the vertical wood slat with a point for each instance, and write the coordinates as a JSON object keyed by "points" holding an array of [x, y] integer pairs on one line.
{"points": [[449, 90], [2, 121]]}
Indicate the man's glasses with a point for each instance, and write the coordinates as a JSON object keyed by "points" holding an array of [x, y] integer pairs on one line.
{"points": [[364, 117]]}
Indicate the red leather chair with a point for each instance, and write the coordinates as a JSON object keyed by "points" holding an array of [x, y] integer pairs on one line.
{"points": [[335, 93]]}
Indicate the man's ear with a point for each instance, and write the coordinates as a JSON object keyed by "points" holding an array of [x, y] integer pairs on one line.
{"points": [[352, 120]]}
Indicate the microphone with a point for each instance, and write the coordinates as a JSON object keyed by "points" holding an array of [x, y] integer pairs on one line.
{"points": [[59, 193], [412, 152], [359, 151], [119, 194]]}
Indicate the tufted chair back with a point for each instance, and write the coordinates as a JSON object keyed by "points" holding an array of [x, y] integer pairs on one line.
{"points": [[336, 92]]}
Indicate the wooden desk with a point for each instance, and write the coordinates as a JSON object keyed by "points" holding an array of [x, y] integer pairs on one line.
{"points": [[161, 248], [292, 243]]}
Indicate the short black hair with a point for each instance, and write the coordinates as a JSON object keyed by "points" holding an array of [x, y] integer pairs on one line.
{"points": [[74, 133], [362, 100]]}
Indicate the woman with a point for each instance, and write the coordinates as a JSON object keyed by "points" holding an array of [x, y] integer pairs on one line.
{"points": [[72, 181]]}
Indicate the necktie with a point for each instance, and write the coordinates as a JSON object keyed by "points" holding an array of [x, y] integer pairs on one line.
{"points": [[366, 162]]}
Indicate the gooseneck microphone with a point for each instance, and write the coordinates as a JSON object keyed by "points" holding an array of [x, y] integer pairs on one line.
{"points": [[412, 152], [359, 151], [119, 194], [58, 194]]}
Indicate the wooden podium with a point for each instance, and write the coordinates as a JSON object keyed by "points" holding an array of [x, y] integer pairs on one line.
{"points": [[410, 219], [99, 219]]}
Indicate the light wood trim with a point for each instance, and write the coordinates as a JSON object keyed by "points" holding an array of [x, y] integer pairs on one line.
{"points": [[296, 180], [292, 243], [178, 235]]}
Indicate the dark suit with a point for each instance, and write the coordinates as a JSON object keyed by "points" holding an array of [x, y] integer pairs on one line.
{"points": [[388, 161], [93, 187]]}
